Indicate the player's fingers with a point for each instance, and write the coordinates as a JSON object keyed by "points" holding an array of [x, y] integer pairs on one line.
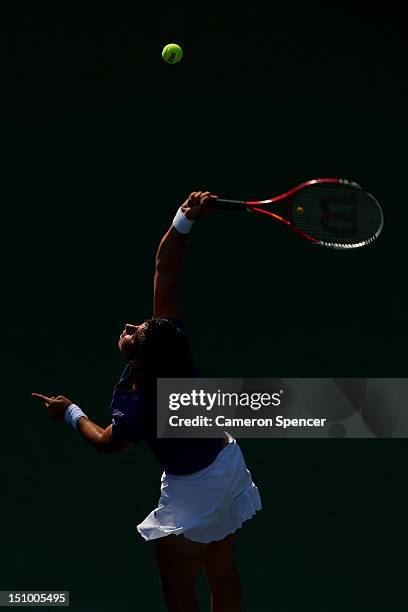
{"points": [[43, 398], [207, 197], [196, 200]]}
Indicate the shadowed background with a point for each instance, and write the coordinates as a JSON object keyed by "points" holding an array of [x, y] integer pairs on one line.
{"points": [[101, 142]]}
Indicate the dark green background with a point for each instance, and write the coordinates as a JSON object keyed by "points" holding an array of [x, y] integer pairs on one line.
{"points": [[101, 143]]}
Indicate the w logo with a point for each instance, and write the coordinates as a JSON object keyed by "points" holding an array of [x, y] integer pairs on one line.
{"points": [[339, 214]]}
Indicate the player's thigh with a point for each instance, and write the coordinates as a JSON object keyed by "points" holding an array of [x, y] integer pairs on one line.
{"points": [[179, 560], [219, 559]]}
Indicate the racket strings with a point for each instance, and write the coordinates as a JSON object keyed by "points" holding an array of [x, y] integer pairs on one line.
{"points": [[339, 217]]}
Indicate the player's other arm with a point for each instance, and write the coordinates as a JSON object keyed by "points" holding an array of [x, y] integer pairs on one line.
{"points": [[98, 437], [169, 257], [101, 439]]}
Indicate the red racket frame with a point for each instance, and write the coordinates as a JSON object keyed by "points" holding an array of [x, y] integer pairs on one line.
{"points": [[253, 205]]}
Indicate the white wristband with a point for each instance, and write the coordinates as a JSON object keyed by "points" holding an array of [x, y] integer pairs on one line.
{"points": [[72, 414], [181, 223]]}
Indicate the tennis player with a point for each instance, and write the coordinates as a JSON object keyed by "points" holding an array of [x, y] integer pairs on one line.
{"points": [[206, 489]]}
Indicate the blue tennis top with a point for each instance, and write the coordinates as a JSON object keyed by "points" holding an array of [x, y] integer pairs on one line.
{"points": [[134, 419]]}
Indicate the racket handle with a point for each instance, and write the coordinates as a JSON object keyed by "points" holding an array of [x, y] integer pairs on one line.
{"points": [[227, 205]]}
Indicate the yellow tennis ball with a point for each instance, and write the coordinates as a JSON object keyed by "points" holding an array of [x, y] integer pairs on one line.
{"points": [[300, 210], [172, 53]]}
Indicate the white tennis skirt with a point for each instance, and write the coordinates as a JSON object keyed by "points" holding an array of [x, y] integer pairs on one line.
{"points": [[206, 505]]}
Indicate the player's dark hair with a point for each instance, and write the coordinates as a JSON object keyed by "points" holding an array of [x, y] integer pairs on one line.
{"points": [[163, 349]]}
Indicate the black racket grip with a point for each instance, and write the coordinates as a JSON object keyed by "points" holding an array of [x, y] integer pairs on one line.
{"points": [[227, 205]]}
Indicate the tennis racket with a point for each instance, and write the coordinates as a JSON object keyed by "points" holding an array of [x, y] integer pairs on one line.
{"points": [[330, 212]]}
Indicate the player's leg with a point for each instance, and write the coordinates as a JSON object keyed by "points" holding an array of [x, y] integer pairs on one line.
{"points": [[222, 575], [180, 561]]}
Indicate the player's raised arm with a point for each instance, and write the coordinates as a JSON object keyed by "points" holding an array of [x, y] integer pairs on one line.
{"points": [[170, 254]]}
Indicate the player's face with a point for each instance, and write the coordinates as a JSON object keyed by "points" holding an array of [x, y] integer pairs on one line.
{"points": [[128, 340]]}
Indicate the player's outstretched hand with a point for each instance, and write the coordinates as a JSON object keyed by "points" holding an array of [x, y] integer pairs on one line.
{"points": [[56, 406], [196, 204]]}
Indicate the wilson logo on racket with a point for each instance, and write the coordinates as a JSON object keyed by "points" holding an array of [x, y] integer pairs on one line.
{"points": [[339, 215], [331, 212]]}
